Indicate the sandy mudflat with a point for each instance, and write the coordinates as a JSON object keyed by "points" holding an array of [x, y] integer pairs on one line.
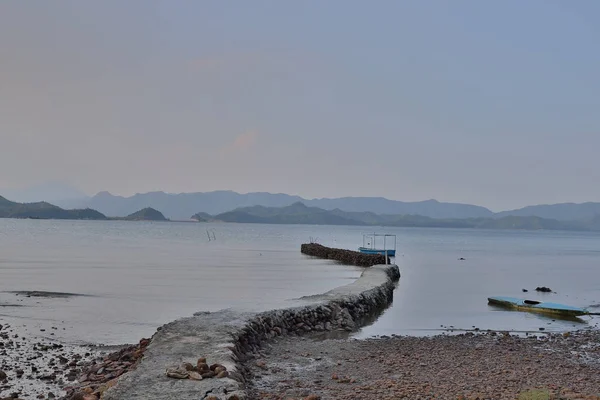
{"points": [[470, 366], [35, 368]]}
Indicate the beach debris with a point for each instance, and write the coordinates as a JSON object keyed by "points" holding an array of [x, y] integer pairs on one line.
{"points": [[222, 374], [178, 372], [543, 289], [97, 377], [197, 372], [195, 376]]}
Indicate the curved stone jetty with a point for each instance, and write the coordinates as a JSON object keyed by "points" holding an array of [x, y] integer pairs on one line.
{"points": [[225, 338]]}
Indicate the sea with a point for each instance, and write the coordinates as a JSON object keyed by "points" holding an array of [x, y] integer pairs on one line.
{"points": [[115, 282]]}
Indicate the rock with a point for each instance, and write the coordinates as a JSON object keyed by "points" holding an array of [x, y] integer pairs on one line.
{"points": [[223, 374], [187, 366], [543, 289], [208, 374], [195, 376], [220, 369], [525, 290], [215, 366], [177, 373], [202, 367], [261, 364], [2, 375]]}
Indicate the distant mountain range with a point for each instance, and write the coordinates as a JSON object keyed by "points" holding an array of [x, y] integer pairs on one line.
{"points": [[181, 206], [299, 213], [282, 208]]}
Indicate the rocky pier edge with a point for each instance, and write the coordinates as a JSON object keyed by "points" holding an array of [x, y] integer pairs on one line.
{"points": [[223, 341], [348, 257]]}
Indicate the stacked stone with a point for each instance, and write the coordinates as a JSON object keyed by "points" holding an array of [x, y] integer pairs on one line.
{"points": [[335, 315], [348, 257], [100, 376]]}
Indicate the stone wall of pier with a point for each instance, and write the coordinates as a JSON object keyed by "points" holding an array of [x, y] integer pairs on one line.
{"points": [[230, 338], [347, 257]]}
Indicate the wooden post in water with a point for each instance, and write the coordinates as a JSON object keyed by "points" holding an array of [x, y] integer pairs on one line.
{"points": [[385, 248]]}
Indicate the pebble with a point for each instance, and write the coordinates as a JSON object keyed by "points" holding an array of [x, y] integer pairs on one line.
{"points": [[484, 366]]}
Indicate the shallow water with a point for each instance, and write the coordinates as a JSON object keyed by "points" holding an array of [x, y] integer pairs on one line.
{"points": [[136, 276], [131, 278], [438, 291]]}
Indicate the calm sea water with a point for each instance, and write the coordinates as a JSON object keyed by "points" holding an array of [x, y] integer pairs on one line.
{"points": [[134, 277]]}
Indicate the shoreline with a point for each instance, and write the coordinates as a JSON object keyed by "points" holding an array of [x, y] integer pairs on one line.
{"points": [[227, 339], [235, 343], [486, 365]]}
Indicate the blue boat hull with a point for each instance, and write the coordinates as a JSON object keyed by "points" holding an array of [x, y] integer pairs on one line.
{"points": [[537, 306], [366, 250]]}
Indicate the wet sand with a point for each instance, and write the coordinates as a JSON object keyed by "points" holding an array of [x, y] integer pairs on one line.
{"points": [[469, 366], [36, 368]]}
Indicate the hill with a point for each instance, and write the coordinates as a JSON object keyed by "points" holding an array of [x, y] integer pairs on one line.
{"points": [[299, 213], [203, 217], [561, 212], [146, 214], [181, 206], [43, 210]]}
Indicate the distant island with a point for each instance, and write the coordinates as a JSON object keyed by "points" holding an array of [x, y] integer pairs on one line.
{"points": [[299, 213], [145, 214], [43, 210]]}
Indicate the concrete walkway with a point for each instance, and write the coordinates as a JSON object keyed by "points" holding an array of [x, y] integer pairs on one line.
{"points": [[212, 335]]}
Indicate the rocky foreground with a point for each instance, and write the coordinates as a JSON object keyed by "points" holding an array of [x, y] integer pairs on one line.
{"points": [[34, 368], [467, 366]]}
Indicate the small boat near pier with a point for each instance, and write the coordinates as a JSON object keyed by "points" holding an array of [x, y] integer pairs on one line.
{"points": [[370, 246]]}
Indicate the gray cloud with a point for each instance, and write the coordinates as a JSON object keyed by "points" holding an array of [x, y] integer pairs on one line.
{"points": [[494, 104]]}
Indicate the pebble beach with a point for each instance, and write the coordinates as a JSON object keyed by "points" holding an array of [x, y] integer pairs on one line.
{"points": [[491, 365]]}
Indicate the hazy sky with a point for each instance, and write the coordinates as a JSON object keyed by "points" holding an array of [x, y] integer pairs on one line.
{"points": [[493, 103]]}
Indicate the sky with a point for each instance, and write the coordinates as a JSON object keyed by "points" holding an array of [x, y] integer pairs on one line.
{"points": [[488, 103]]}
